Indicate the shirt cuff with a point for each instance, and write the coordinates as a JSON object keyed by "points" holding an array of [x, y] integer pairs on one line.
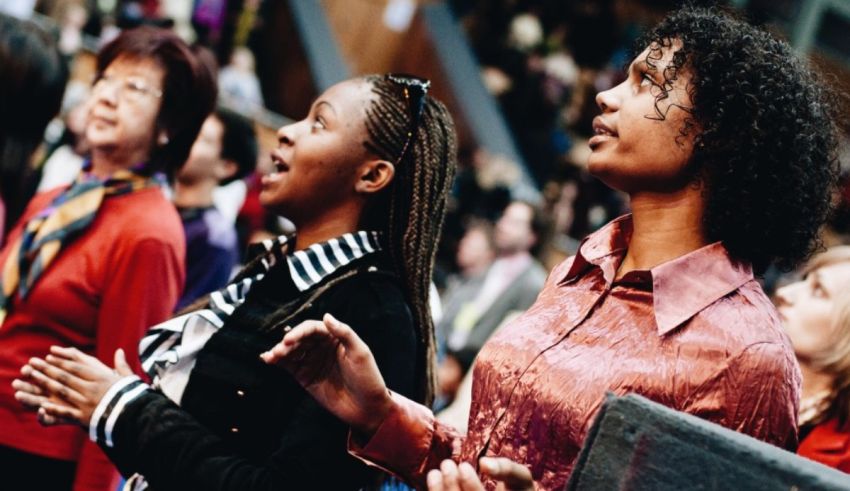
{"points": [[402, 442], [110, 406]]}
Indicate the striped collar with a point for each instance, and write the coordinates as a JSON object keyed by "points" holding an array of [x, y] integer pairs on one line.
{"points": [[312, 265]]}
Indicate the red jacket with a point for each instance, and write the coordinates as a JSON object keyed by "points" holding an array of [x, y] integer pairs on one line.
{"points": [[827, 445], [123, 274]]}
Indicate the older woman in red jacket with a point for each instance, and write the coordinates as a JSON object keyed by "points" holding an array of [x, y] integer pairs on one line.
{"points": [[94, 264]]}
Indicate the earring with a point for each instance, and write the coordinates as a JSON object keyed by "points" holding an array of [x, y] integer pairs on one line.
{"points": [[163, 139]]}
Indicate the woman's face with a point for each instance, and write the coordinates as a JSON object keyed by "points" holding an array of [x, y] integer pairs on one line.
{"points": [[806, 307], [633, 149], [317, 161], [123, 108]]}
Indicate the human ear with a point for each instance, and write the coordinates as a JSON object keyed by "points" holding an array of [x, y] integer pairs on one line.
{"points": [[226, 169], [374, 176]]}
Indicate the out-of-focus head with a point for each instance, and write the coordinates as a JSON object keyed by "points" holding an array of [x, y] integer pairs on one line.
{"points": [[816, 314], [32, 81], [716, 103], [150, 98], [476, 249], [811, 308], [518, 229], [225, 150]]}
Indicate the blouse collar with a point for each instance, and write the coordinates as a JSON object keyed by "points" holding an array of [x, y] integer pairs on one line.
{"points": [[681, 287]]}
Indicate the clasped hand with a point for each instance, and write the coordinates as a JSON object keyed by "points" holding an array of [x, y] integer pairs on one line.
{"points": [[66, 386]]}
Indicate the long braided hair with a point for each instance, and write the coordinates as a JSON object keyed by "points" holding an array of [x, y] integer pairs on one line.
{"points": [[411, 211]]}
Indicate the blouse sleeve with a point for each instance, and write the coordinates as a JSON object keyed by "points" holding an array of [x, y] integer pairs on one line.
{"points": [[409, 443]]}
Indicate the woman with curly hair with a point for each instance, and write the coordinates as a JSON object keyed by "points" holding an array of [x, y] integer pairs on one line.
{"points": [[816, 314], [724, 141]]}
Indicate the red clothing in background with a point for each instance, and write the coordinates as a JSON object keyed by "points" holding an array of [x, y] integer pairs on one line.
{"points": [[696, 334], [828, 445], [123, 274]]}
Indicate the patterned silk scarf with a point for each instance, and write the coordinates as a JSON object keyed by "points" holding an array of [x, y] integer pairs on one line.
{"points": [[67, 216]]}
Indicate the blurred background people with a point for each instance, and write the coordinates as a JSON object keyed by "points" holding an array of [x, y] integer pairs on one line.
{"points": [[93, 264], [816, 314], [225, 151], [32, 81], [238, 81], [478, 305]]}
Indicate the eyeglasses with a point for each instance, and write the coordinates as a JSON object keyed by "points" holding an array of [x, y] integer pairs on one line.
{"points": [[132, 89], [415, 89]]}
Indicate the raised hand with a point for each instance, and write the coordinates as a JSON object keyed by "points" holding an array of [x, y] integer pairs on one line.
{"points": [[336, 367], [452, 477], [67, 385]]}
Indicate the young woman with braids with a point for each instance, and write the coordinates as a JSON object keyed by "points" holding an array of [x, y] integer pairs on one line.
{"points": [[364, 179], [726, 144]]}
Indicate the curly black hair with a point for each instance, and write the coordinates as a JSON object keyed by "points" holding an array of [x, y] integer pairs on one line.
{"points": [[765, 134]]}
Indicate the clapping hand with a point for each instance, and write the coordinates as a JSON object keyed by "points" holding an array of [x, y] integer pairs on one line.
{"points": [[336, 367], [67, 385]]}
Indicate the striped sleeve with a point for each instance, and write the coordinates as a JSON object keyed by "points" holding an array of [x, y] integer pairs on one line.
{"points": [[109, 408]]}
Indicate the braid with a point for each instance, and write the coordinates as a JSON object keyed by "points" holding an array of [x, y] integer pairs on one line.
{"points": [[416, 202]]}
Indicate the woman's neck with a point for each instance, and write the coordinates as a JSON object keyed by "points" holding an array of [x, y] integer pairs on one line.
{"points": [[815, 383], [326, 227], [664, 227], [105, 162], [199, 195]]}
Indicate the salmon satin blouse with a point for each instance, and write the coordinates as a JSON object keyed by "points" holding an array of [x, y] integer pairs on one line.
{"points": [[696, 334]]}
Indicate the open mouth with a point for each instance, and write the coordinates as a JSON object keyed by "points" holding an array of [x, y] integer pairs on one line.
{"points": [[279, 166]]}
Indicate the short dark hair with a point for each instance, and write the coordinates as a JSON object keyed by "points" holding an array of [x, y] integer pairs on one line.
{"points": [[238, 143], [32, 82], [765, 134], [189, 90]]}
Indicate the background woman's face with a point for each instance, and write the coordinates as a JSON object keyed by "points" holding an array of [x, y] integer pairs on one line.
{"points": [[806, 307], [633, 149], [317, 158], [123, 107]]}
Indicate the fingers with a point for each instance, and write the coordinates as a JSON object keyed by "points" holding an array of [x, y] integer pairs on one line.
{"points": [[451, 477], [121, 365], [346, 336], [516, 477], [51, 413], [434, 479], [468, 479], [295, 339], [75, 355], [48, 378], [74, 368], [31, 396], [24, 386]]}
